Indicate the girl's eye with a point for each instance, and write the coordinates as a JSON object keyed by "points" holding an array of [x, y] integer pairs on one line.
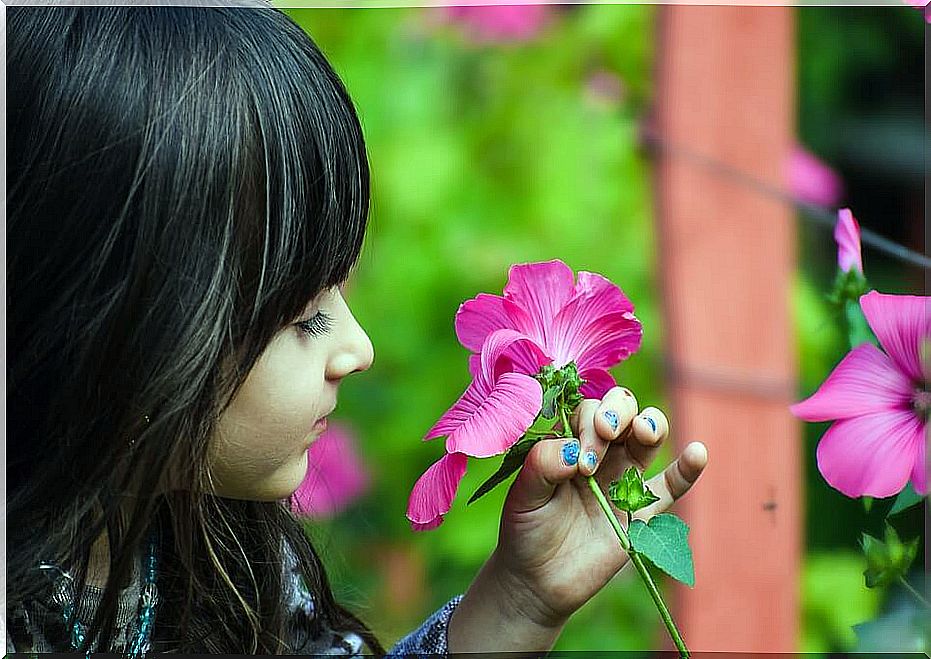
{"points": [[318, 325]]}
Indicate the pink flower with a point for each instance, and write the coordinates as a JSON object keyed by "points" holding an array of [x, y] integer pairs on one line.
{"points": [[880, 401], [921, 5], [847, 237], [812, 181], [335, 476], [491, 23], [590, 322], [543, 318]]}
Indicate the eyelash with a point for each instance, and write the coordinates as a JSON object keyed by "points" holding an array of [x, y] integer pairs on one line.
{"points": [[318, 325]]}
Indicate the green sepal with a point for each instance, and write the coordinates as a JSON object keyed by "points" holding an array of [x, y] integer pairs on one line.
{"points": [[664, 540], [887, 561], [848, 287], [550, 396], [630, 493], [906, 499], [513, 460]]}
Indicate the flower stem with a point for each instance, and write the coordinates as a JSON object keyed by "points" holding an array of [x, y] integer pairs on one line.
{"points": [[914, 592], [637, 560]]}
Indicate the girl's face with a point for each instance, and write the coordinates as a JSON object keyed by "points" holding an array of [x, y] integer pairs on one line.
{"points": [[260, 450]]}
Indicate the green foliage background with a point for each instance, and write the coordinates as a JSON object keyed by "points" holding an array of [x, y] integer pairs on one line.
{"points": [[482, 156], [487, 155]]}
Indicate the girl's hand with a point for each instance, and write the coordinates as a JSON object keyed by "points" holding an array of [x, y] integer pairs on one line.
{"points": [[555, 547]]}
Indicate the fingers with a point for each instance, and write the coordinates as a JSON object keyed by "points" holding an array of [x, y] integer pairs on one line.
{"points": [[611, 415], [549, 463], [649, 430], [596, 423], [676, 479]]}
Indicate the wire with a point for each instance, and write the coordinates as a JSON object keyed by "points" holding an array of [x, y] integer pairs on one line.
{"points": [[810, 212]]}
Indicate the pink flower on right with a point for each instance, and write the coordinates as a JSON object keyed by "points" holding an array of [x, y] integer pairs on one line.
{"points": [[880, 402], [923, 6]]}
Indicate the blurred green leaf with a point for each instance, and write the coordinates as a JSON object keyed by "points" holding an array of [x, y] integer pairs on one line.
{"points": [[834, 598]]}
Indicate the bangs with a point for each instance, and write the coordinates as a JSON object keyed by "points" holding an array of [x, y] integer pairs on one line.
{"points": [[307, 182]]}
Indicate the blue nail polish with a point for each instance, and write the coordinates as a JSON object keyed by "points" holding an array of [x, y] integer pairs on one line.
{"points": [[652, 423], [570, 453], [611, 418], [590, 459]]}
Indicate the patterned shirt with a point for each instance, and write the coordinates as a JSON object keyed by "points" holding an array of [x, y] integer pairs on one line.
{"points": [[36, 626]]}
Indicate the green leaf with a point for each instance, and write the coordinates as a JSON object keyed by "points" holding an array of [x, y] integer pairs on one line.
{"points": [[513, 460], [664, 540], [887, 561], [906, 499], [630, 493]]}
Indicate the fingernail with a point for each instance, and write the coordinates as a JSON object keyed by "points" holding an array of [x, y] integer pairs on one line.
{"points": [[611, 417], [590, 459], [652, 423], [570, 452]]}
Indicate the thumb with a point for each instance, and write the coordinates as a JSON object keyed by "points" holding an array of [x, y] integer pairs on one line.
{"points": [[549, 463]]}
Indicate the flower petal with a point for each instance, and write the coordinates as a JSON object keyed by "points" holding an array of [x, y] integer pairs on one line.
{"points": [[864, 382], [460, 412], [900, 322], [596, 297], [482, 315], [434, 491], [504, 351], [475, 365], [920, 470], [847, 236], [501, 419], [540, 289], [871, 455], [597, 383], [508, 350], [599, 296], [604, 342]]}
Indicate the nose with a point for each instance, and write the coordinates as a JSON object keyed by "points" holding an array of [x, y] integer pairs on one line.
{"points": [[354, 352]]}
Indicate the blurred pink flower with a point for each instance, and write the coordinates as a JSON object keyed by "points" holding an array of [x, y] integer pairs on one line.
{"points": [[812, 181], [491, 23], [880, 402], [543, 317], [921, 5], [847, 237], [335, 475]]}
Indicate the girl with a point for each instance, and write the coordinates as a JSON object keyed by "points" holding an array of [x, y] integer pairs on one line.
{"points": [[188, 192]]}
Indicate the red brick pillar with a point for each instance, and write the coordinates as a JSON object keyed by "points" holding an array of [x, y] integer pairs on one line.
{"points": [[725, 91]]}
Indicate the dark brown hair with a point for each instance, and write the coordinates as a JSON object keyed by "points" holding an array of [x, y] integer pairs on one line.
{"points": [[182, 181]]}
